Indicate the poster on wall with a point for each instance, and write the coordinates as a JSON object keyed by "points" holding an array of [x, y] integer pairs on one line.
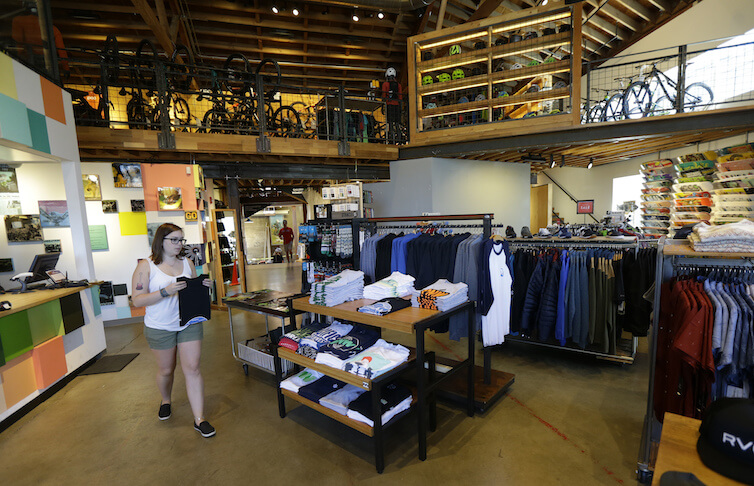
{"points": [[109, 206], [151, 230], [127, 175], [98, 236], [10, 203], [52, 246], [54, 214], [106, 296], [276, 224], [169, 198], [8, 181], [92, 191], [23, 227], [137, 205], [195, 253], [6, 265]]}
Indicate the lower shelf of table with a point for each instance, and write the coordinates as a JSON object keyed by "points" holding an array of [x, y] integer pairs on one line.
{"points": [[354, 424], [485, 394]]}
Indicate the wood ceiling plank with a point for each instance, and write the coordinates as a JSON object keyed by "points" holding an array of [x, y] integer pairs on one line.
{"points": [[617, 15], [146, 12], [639, 9], [664, 5]]}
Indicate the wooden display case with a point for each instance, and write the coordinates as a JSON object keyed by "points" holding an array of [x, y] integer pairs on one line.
{"points": [[514, 72]]}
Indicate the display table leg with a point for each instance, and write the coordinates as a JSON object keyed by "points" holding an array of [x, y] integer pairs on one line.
{"points": [[421, 412], [379, 452]]}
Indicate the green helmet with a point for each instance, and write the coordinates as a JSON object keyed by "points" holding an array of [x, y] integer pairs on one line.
{"points": [[550, 59], [458, 74], [427, 79], [442, 77], [455, 49], [533, 62]]}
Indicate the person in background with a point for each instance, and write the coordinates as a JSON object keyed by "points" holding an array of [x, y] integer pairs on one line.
{"points": [[392, 93], [155, 286], [286, 234]]}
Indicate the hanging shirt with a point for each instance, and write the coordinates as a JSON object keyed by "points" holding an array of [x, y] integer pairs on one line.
{"points": [[496, 323]]}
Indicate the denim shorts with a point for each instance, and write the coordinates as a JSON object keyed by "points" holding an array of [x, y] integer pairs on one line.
{"points": [[160, 340]]}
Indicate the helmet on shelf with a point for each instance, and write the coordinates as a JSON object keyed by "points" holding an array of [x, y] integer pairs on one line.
{"points": [[480, 97], [518, 65], [480, 45], [559, 84], [533, 62], [530, 35], [500, 41], [427, 79], [427, 56], [455, 49], [442, 77], [391, 72], [458, 74]]}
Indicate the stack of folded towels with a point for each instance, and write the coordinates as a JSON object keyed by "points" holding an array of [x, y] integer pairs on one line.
{"points": [[394, 285], [346, 286], [733, 237], [441, 295]]}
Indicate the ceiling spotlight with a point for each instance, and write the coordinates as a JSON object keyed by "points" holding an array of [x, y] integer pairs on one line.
{"points": [[544, 2], [275, 9], [380, 15], [590, 164], [294, 11], [355, 16], [552, 161], [562, 160]]}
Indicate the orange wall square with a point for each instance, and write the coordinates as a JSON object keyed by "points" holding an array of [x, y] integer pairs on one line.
{"points": [[18, 379], [49, 362], [52, 95], [168, 175]]}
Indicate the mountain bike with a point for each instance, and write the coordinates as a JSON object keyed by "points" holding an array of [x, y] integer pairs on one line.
{"points": [[657, 94]]}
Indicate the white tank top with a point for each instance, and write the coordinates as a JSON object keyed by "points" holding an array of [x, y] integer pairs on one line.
{"points": [[164, 314]]}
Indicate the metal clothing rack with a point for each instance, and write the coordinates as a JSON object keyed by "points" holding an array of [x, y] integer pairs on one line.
{"points": [[675, 257], [628, 346], [489, 384]]}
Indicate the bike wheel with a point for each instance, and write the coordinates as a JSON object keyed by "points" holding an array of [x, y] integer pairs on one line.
{"points": [[146, 62], [595, 113], [216, 121], [111, 60], [287, 123], [237, 78], [181, 70], [181, 112], [663, 106], [637, 100], [135, 114], [613, 108], [697, 97]]}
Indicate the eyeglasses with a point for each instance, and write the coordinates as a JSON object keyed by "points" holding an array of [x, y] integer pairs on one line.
{"points": [[175, 241]]}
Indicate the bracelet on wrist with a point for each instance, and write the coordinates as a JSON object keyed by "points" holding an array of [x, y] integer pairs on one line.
{"points": [[164, 292]]}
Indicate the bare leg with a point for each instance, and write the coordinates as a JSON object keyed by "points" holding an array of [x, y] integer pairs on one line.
{"points": [[190, 353], [165, 371]]}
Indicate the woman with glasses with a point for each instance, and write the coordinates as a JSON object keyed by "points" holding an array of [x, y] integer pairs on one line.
{"points": [[155, 286]]}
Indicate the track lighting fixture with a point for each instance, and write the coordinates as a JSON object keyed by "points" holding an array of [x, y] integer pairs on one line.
{"points": [[380, 15], [590, 164], [544, 2], [275, 9], [552, 162], [295, 11], [355, 16], [562, 160]]}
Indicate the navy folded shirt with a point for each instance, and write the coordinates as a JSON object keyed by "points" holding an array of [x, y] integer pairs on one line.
{"points": [[193, 301]]}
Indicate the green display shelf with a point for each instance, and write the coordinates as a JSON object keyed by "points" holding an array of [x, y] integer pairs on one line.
{"points": [[15, 335], [45, 322]]}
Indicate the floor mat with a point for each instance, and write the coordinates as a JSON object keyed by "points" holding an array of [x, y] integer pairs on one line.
{"points": [[110, 364]]}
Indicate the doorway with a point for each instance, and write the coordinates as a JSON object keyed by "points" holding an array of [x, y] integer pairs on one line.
{"points": [[539, 207]]}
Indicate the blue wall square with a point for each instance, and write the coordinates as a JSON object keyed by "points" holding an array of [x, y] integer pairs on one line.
{"points": [[14, 121]]}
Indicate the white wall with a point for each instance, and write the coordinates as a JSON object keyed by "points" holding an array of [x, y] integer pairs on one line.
{"points": [[452, 186], [596, 183]]}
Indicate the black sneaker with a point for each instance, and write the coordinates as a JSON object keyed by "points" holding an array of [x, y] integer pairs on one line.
{"points": [[205, 429], [526, 232], [510, 232], [164, 412]]}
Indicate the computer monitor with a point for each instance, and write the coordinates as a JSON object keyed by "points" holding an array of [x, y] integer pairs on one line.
{"points": [[42, 263]]}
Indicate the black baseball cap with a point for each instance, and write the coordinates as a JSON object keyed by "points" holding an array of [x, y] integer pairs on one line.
{"points": [[726, 440]]}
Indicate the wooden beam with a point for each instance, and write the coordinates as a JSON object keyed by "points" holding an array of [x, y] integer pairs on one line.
{"points": [[663, 5], [143, 8], [484, 10], [617, 15], [441, 15], [638, 9]]}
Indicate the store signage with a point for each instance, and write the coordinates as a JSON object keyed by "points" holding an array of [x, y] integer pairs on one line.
{"points": [[192, 215], [585, 207]]}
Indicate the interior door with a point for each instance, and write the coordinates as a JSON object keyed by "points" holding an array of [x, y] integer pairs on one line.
{"points": [[539, 208]]}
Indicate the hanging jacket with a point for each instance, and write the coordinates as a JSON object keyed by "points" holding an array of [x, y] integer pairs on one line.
{"points": [[548, 304], [533, 296]]}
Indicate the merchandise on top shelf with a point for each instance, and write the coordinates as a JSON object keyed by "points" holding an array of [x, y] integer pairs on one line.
{"points": [[692, 202], [656, 197]]}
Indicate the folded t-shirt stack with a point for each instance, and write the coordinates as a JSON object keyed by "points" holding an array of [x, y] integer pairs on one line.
{"points": [[346, 286], [320, 388], [394, 285], [302, 378], [339, 400], [291, 339], [309, 346], [732, 237], [385, 306], [377, 359], [395, 399], [441, 295], [335, 353]]}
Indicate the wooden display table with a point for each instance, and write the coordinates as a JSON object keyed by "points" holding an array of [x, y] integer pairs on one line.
{"points": [[678, 452], [21, 302]]}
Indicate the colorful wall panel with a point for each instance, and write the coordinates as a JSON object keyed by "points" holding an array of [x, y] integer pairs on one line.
{"points": [[49, 362], [16, 335], [156, 175], [45, 322], [19, 379]]}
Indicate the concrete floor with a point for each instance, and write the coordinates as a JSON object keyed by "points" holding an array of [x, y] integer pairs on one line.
{"points": [[567, 420]]}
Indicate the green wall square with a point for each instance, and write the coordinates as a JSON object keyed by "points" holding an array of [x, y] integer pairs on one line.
{"points": [[2, 360], [15, 335], [14, 122], [38, 127], [45, 322]]}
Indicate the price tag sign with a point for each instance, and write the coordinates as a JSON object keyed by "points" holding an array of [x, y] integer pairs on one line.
{"points": [[192, 216], [585, 207]]}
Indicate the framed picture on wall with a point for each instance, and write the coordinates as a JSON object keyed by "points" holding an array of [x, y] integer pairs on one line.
{"points": [[195, 253], [52, 246], [6, 265], [54, 214], [8, 181], [137, 205], [169, 198], [151, 230], [10, 203], [23, 227], [127, 175], [109, 206], [92, 191]]}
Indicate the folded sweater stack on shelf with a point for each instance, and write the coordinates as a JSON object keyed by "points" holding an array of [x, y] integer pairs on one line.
{"points": [[346, 399], [396, 284], [346, 286], [733, 237], [441, 295]]}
